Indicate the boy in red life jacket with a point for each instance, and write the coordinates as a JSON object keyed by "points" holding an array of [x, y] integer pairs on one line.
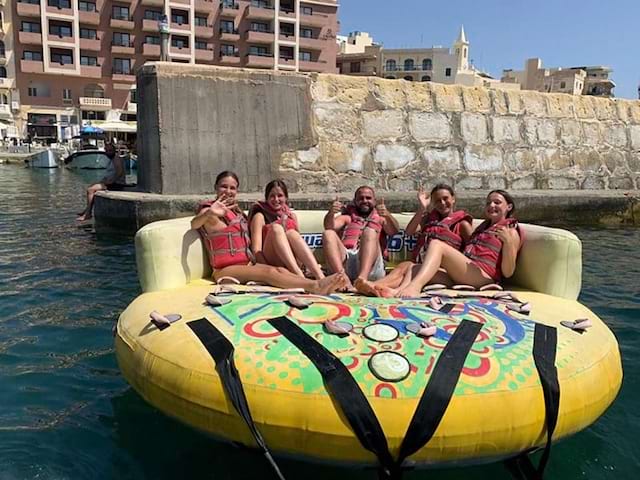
{"points": [[355, 236], [275, 237], [224, 231]]}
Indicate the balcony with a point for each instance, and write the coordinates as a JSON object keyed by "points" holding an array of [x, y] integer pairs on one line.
{"points": [[8, 82], [312, 43], [59, 40], [230, 60], [259, 13], [91, 44], [259, 61], [182, 27], [153, 3], [29, 38], [286, 62], [28, 10], [314, 66], [315, 20], [149, 25], [95, 104], [91, 71], [204, 55], [229, 9], [122, 23], [89, 18], [56, 66], [287, 13], [5, 111], [151, 50], [55, 11], [119, 76], [253, 36], [132, 107], [31, 66], [182, 52], [228, 35], [127, 49], [202, 5], [204, 32], [287, 38]]}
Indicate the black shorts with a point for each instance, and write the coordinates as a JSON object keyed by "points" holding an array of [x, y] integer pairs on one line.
{"points": [[115, 187]]}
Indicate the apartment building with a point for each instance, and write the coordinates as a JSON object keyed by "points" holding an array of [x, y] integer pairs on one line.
{"points": [[587, 80], [360, 55], [76, 59], [8, 93]]}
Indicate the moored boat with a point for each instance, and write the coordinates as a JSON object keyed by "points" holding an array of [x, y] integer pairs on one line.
{"points": [[498, 401], [44, 159], [87, 159]]}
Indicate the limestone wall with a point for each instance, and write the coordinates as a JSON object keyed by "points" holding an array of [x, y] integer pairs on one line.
{"points": [[397, 134]]}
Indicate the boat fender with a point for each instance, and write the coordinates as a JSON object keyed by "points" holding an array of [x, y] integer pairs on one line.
{"points": [[221, 350]]}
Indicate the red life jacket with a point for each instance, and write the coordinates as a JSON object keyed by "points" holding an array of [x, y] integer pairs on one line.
{"points": [[283, 216], [231, 245], [353, 231], [485, 247], [446, 229]]}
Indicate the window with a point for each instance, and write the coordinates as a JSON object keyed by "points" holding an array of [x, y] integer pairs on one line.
{"points": [[179, 17], [408, 64], [229, 4], [409, 78], [200, 45], [34, 56], [86, 6], [306, 10], [31, 27], [260, 3], [226, 26], [355, 67], [93, 90], [426, 78], [3, 72], [4, 100], [89, 115], [152, 15], [32, 91], [390, 65], [32, 2], [427, 64], [59, 3], [286, 53], [66, 94], [447, 72], [306, 33], [260, 51], [152, 40], [60, 29], [306, 57], [259, 27], [201, 21], [119, 13], [228, 50], [563, 84], [121, 39], [63, 58], [2, 50], [179, 42], [88, 33], [88, 61], [287, 30], [122, 66]]}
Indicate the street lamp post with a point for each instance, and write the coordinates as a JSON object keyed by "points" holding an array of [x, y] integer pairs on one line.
{"points": [[163, 28]]}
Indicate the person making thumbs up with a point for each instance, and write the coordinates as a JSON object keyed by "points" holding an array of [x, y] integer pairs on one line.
{"points": [[355, 236]]}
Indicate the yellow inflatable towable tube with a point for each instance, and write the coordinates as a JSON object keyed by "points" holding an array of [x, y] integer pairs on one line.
{"points": [[484, 383]]}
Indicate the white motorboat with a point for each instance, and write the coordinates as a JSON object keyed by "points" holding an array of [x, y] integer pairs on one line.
{"points": [[88, 158], [44, 159]]}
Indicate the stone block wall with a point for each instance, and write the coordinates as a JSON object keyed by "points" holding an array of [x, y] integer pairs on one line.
{"points": [[397, 134]]}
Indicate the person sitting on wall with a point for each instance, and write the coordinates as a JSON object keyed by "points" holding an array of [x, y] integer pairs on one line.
{"points": [[355, 236], [489, 256], [224, 230], [114, 180], [275, 237], [435, 219]]}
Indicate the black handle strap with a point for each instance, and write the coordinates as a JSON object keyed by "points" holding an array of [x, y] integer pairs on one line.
{"points": [[221, 350], [344, 390]]}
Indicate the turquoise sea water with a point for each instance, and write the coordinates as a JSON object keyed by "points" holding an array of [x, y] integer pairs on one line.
{"points": [[66, 412]]}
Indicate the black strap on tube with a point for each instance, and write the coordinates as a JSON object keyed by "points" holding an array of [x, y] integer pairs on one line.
{"points": [[221, 350]]}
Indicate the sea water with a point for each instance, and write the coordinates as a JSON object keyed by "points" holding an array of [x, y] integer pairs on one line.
{"points": [[67, 413]]}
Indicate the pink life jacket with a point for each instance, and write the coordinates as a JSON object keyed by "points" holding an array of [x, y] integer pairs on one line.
{"points": [[485, 247], [446, 229], [353, 230], [283, 216], [231, 245]]}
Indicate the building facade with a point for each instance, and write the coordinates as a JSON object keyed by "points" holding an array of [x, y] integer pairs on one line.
{"points": [[592, 80], [76, 59], [8, 93], [359, 55]]}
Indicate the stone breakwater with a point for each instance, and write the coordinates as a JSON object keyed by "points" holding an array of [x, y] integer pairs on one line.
{"points": [[397, 135]]}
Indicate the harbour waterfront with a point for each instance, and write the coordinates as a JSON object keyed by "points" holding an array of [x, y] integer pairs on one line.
{"points": [[67, 412]]}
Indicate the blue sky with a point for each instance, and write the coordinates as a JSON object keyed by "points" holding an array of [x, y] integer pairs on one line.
{"points": [[503, 33]]}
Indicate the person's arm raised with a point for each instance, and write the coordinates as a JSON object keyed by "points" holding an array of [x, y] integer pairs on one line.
{"points": [[423, 206], [390, 224], [333, 221], [211, 214]]}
